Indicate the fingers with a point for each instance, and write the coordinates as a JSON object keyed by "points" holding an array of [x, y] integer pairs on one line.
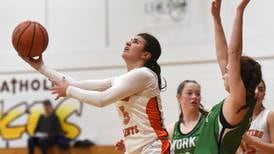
{"points": [[55, 91], [119, 146], [54, 82], [59, 90], [216, 3], [40, 57], [243, 5], [57, 82], [26, 59], [34, 60], [56, 98], [215, 8]]}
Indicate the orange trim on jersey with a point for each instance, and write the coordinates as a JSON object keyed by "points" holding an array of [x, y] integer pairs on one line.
{"points": [[155, 119]]}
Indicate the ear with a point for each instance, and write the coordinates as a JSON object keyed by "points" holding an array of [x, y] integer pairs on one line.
{"points": [[146, 55], [178, 97]]}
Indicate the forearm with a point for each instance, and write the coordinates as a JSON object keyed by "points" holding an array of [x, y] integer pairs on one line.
{"points": [[86, 84], [53, 75], [237, 88], [263, 147], [94, 98], [220, 44], [98, 85], [236, 41]]}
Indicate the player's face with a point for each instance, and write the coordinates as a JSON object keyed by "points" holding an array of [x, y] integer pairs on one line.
{"points": [[134, 49], [190, 96], [260, 92]]}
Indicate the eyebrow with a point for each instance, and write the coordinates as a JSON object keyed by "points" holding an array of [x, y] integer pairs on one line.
{"points": [[138, 40], [135, 39]]}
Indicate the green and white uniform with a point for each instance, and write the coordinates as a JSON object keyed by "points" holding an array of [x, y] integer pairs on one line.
{"points": [[186, 143], [217, 136]]}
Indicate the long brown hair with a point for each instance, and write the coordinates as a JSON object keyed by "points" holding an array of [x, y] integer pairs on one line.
{"points": [[179, 91], [251, 75]]}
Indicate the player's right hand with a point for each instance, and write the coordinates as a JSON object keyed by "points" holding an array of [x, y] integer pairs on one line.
{"points": [[120, 146]]}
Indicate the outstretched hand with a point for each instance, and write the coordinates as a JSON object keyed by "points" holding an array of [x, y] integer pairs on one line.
{"points": [[35, 63], [215, 8], [242, 5], [59, 88]]}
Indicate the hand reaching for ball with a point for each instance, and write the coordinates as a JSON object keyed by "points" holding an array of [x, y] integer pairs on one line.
{"points": [[33, 62]]}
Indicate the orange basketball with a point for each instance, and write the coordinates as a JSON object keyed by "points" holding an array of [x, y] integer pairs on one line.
{"points": [[30, 39]]}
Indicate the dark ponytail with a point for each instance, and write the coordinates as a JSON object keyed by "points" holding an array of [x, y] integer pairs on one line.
{"points": [[251, 76], [152, 46]]}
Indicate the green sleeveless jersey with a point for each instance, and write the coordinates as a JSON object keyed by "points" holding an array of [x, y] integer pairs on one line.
{"points": [[218, 139], [186, 143]]}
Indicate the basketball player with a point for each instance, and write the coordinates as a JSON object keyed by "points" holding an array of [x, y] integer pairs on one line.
{"points": [[260, 136], [184, 133], [136, 93], [229, 119]]}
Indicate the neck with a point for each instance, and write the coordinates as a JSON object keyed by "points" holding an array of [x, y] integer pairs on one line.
{"points": [[258, 109], [131, 66], [191, 116]]}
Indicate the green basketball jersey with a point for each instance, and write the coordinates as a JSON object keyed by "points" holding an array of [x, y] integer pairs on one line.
{"points": [[186, 143], [217, 139]]}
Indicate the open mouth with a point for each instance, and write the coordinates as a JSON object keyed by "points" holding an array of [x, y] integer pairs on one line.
{"points": [[126, 48], [193, 102]]}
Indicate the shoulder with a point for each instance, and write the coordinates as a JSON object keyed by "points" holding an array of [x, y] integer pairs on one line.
{"points": [[171, 126], [170, 129], [142, 72], [218, 106], [270, 118]]}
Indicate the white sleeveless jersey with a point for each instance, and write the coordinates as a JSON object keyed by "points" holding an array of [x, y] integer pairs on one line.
{"points": [[259, 129]]}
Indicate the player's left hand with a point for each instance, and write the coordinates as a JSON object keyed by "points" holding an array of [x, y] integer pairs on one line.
{"points": [[120, 146], [249, 140], [59, 88]]}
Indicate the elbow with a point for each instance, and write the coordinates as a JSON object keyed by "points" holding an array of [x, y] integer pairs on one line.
{"points": [[235, 50]]}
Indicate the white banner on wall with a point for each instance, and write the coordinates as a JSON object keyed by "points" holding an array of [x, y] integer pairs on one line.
{"points": [[21, 105]]}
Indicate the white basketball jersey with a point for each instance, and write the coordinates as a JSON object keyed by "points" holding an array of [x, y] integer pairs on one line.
{"points": [[141, 116], [259, 129]]}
